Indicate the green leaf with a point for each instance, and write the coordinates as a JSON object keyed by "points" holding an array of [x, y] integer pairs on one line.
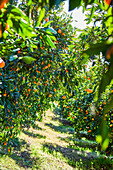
{"points": [[29, 3], [55, 2], [53, 38], [108, 106], [95, 49], [26, 29], [103, 136], [99, 139], [17, 13], [50, 42], [27, 59], [41, 16], [49, 29], [105, 144], [106, 79], [47, 24], [15, 50], [74, 4], [13, 57], [92, 12], [103, 129]]}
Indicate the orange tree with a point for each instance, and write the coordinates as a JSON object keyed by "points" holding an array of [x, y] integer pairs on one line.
{"points": [[26, 88], [27, 85], [78, 104], [31, 69], [99, 11]]}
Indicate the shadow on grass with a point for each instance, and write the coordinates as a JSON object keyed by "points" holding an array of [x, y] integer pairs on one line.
{"points": [[22, 155], [31, 134], [16, 145], [61, 128], [79, 159], [63, 121], [36, 127], [81, 143]]}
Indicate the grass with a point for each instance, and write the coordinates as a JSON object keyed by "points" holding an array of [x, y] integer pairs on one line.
{"points": [[50, 145]]}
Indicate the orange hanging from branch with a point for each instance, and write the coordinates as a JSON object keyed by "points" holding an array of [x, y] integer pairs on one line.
{"points": [[6, 26], [2, 63], [0, 30], [109, 52], [108, 2], [2, 4]]}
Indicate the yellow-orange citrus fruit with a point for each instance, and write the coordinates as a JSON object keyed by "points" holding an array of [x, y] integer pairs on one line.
{"points": [[59, 31], [2, 63], [2, 4], [108, 2], [109, 52], [63, 97], [46, 19], [6, 26]]}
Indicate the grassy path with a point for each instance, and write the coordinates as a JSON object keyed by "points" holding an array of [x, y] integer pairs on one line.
{"points": [[47, 146]]}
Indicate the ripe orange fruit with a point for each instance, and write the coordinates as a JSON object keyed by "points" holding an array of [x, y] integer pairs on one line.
{"points": [[59, 31], [8, 150], [1, 30], [64, 97], [63, 33], [18, 52], [2, 63], [2, 4], [23, 78], [29, 90], [108, 2], [4, 143], [46, 19], [11, 127], [50, 95], [89, 90], [6, 26], [89, 131], [109, 52]]}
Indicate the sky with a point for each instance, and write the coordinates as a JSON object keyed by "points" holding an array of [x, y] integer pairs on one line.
{"points": [[78, 15]]}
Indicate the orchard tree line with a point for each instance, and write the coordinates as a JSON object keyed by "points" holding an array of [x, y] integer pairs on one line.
{"points": [[43, 61]]}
